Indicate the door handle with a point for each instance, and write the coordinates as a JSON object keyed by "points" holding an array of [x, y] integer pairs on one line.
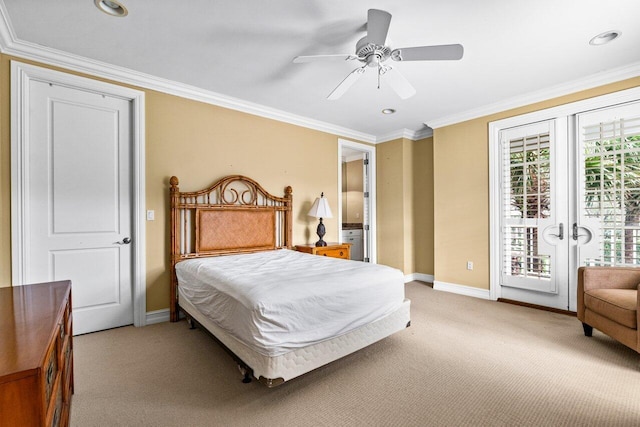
{"points": [[124, 241], [575, 234], [560, 234]]}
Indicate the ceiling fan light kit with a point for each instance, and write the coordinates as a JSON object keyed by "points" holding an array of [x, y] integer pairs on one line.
{"points": [[372, 50]]}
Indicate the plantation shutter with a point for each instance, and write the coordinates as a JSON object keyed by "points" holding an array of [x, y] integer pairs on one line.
{"points": [[610, 193], [526, 199]]}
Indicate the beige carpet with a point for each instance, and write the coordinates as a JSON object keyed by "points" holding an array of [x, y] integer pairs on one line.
{"points": [[463, 362]]}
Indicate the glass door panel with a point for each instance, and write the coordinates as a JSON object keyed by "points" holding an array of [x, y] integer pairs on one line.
{"points": [[608, 223]]}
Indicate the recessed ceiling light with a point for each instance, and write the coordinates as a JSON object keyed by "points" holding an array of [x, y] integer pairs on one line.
{"points": [[388, 111], [111, 7], [604, 38]]}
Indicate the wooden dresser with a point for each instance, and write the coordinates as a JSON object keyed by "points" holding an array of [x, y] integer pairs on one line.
{"points": [[36, 355], [335, 250]]}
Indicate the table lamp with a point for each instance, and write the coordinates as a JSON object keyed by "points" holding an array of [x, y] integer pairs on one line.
{"points": [[320, 209]]}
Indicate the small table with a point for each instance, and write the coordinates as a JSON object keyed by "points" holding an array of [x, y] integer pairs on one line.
{"points": [[335, 250]]}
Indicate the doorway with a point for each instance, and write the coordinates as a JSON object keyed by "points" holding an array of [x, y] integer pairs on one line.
{"points": [[356, 201], [77, 164], [569, 196]]}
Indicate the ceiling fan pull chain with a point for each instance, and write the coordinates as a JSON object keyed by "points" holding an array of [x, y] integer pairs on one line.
{"points": [[379, 70]]}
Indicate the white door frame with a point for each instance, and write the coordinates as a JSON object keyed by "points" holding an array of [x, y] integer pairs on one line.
{"points": [[21, 75], [371, 150], [573, 108]]}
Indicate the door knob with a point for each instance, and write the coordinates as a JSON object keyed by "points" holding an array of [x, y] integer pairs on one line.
{"points": [[124, 241]]}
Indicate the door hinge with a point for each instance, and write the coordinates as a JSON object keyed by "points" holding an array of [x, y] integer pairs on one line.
{"points": [[366, 227], [366, 162], [366, 260], [366, 194]]}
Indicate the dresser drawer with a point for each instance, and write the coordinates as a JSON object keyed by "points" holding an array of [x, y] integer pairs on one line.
{"points": [[54, 415], [51, 368], [67, 364]]}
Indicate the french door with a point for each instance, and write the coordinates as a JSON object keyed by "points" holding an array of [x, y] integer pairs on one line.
{"points": [[570, 196]]}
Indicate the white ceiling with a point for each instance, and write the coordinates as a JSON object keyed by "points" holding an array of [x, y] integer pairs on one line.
{"points": [[516, 52]]}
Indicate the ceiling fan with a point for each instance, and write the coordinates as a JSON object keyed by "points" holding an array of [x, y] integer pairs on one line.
{"points": [[373, 51]]}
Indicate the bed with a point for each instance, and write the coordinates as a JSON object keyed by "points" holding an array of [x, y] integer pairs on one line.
{"points": [[279, 313]]}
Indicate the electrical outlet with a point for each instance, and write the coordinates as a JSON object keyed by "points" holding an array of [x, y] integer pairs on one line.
{"points": [[151, 215], [469, 265]]}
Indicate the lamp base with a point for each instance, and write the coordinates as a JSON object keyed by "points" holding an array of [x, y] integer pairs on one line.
{"points": [[320, 232]]}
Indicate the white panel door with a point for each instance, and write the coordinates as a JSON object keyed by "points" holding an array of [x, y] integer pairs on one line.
{"points": [[79, 201]]}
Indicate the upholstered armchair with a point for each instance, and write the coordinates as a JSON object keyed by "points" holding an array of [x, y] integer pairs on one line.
{"points": [[608, 300]]}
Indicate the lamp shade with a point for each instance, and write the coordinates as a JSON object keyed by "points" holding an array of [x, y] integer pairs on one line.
{"points": [[320, 208]]}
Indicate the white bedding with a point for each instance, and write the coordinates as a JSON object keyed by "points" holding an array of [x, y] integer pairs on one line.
{"points": [[277, 301]]}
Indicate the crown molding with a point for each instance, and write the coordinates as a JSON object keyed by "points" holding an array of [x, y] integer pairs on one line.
{"points": [[406, 133], [589, 82], [11, 45], [426, 132]]}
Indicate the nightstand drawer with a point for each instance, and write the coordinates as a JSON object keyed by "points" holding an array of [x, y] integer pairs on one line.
{"points": [[332, 251]]}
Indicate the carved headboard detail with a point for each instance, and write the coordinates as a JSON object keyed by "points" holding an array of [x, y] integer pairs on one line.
{"points": [[234, 215]]}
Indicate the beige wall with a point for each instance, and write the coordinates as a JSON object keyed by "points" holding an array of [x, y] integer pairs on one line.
{"points": [[405, 204], [199, 143], [389, 206], [423, 205], [407, 213], [461, 191]]}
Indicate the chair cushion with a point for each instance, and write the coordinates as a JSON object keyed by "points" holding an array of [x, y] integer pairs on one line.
{"points": [[619, 305]]}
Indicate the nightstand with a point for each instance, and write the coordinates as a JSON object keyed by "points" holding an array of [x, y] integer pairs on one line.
{"points": [[334, 250]]}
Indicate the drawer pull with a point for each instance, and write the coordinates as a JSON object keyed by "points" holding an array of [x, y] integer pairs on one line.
{"points": [[341, 253], [324, 254], [50, 373]]}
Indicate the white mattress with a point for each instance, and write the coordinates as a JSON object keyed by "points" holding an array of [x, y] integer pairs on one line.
{"points": [[277, 301]]}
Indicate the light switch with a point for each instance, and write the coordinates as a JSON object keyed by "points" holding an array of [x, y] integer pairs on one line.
{"points": [[151, 215]]}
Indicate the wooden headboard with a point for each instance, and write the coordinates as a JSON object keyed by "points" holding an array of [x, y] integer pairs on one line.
{"points": [[234, 215]]}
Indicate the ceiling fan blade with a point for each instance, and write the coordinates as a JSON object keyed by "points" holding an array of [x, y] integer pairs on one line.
{"points": [[312, 58], [398, 83], [346, 83], [428, 53], [378, 26]]}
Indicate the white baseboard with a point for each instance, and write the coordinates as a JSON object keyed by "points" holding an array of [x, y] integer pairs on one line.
{"points": [[462, 290], [418, 276], [157, 316]]}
